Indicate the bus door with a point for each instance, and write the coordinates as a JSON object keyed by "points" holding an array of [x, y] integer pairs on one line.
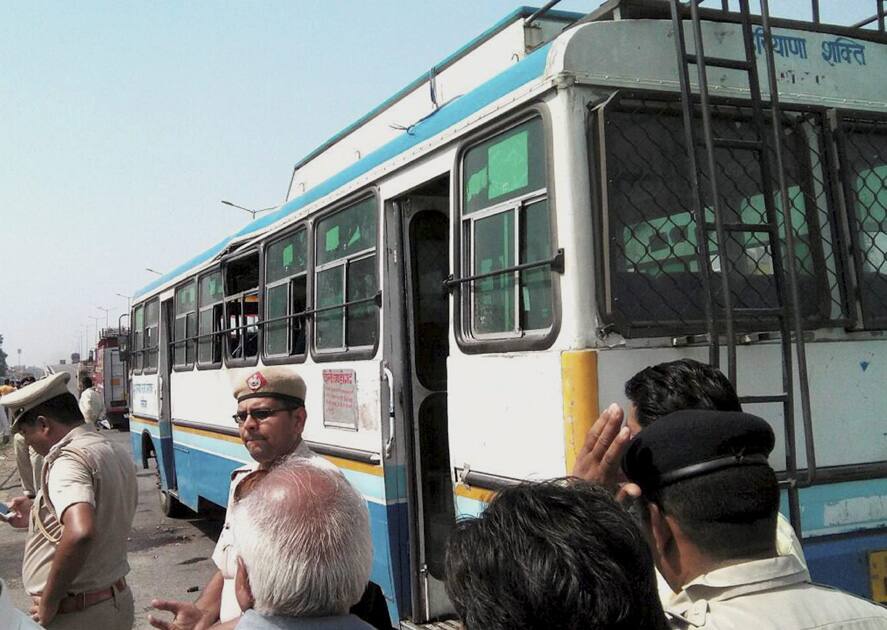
{"points": [[424, 322], [164, 369]]}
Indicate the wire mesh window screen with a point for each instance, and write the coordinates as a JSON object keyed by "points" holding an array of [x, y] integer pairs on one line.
{"points": [[864, 163], [652, 247]]}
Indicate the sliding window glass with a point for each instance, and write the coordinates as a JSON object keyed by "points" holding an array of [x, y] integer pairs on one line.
{"points": [[151, 339], [505, 223], [211, 319], [286, 285], [345, 279], [138, 338], [185, 325]]}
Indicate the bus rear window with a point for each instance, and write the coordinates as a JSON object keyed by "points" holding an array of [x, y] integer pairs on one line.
{"points": [[865, 170], [651, 249]]}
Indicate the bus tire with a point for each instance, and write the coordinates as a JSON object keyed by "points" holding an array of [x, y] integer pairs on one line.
{"points": [[171, 506]]}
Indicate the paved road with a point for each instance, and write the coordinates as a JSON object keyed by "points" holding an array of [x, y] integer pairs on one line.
{"points": [[168, 556]]}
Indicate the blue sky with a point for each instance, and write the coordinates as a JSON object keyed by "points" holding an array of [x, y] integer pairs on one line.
{"points": [[122, 126]]}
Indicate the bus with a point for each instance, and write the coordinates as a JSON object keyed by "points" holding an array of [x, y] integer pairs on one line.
{"points": [[466, 275], [110, 377]]}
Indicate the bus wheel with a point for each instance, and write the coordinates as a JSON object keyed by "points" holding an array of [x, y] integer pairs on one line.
{"points": [[171, 506]]}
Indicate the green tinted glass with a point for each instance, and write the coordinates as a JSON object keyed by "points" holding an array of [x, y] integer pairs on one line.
{"points": [[276, 332], [211, 288], [535, 284], [347, 232], [361, 318], [505, 166], [186, 298], [494, 296], [329, 324], [286, 257]]}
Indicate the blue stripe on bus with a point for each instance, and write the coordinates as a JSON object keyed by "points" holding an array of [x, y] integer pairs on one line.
{"points": [[529, 68], [842, 507], [842, 561]]}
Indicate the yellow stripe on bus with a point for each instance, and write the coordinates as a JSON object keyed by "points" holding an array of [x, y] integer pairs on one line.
{"points": [[350, 464], [581, 405], [143, 420], [471, 492]]}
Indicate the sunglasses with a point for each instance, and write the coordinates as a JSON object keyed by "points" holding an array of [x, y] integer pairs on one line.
{"points": [[259, 415]]}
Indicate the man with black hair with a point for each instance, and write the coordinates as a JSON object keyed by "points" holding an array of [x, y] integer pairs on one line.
{"points": [[654, 392], [709, 501], [75, 556], [555, 555]]}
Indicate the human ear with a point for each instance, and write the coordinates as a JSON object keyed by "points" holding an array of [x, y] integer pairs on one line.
{"points": [[242, 590]]}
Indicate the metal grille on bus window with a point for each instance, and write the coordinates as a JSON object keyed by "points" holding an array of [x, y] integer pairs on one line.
{"points": [[865, 170], [652, 237]]}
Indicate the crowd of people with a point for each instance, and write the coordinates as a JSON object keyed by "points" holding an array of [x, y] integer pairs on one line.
{"points": [[669, 520]]}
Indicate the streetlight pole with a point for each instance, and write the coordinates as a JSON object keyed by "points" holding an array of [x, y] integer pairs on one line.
{"points": [[250, 210], [128, 300], [107, 310], [96, 320]]}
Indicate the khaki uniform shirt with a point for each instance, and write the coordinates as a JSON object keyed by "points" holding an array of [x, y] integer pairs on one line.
{"points": [[770, 594], [787, 544], [112, 491], [225, 553]]}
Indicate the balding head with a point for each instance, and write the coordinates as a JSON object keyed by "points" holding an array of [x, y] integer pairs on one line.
{"points": [[310, 552]]}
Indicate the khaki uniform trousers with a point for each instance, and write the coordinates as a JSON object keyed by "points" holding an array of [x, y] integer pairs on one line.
{"points": [[30, 465], [117, 613]]}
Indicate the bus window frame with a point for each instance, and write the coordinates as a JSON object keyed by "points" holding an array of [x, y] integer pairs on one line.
{"points": [[468, 341], [230, 361], [136, 350], [613, 321], [865, 320], [156, 347], [283, 359], [187, 339], [344, 353], [217, 337]]}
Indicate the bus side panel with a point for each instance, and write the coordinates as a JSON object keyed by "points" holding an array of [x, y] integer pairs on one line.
{"points": [[843, 561]]}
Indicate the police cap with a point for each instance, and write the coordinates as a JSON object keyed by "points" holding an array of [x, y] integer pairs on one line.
{"points": [[271, 382], [694, 442]]}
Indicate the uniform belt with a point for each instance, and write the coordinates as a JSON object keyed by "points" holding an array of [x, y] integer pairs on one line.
{"points": [[82, 601]]}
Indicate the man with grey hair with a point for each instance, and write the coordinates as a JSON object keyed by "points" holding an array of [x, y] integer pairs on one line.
{"points": [[309, 554]]}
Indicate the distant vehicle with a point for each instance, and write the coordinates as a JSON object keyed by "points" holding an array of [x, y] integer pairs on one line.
{"points": [[110, 379], [466, 275]]}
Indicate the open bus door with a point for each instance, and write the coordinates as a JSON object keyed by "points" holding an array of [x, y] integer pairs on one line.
{"points": [[169, 502], [417, 225]]}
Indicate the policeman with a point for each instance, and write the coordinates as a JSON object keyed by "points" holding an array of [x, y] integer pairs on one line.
{"points": [[709, 501], [75, 556], [271, 417]]}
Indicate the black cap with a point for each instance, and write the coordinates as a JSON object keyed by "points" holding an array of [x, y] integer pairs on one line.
{"points": [[694, 442]]}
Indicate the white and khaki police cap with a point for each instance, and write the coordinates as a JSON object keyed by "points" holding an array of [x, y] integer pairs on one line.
{"points": [[23, 400], [271, 382]]}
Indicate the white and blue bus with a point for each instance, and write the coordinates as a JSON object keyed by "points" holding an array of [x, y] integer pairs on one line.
{"points": [[463, 295]]}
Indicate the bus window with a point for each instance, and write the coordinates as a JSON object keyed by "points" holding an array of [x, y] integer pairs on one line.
{"points": [[653, 264], [210, 319], [506, 223], [345, 271], [866, 170], [242, 307], [138, 318], [151, 339], [286, 295], [186, 325]]}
